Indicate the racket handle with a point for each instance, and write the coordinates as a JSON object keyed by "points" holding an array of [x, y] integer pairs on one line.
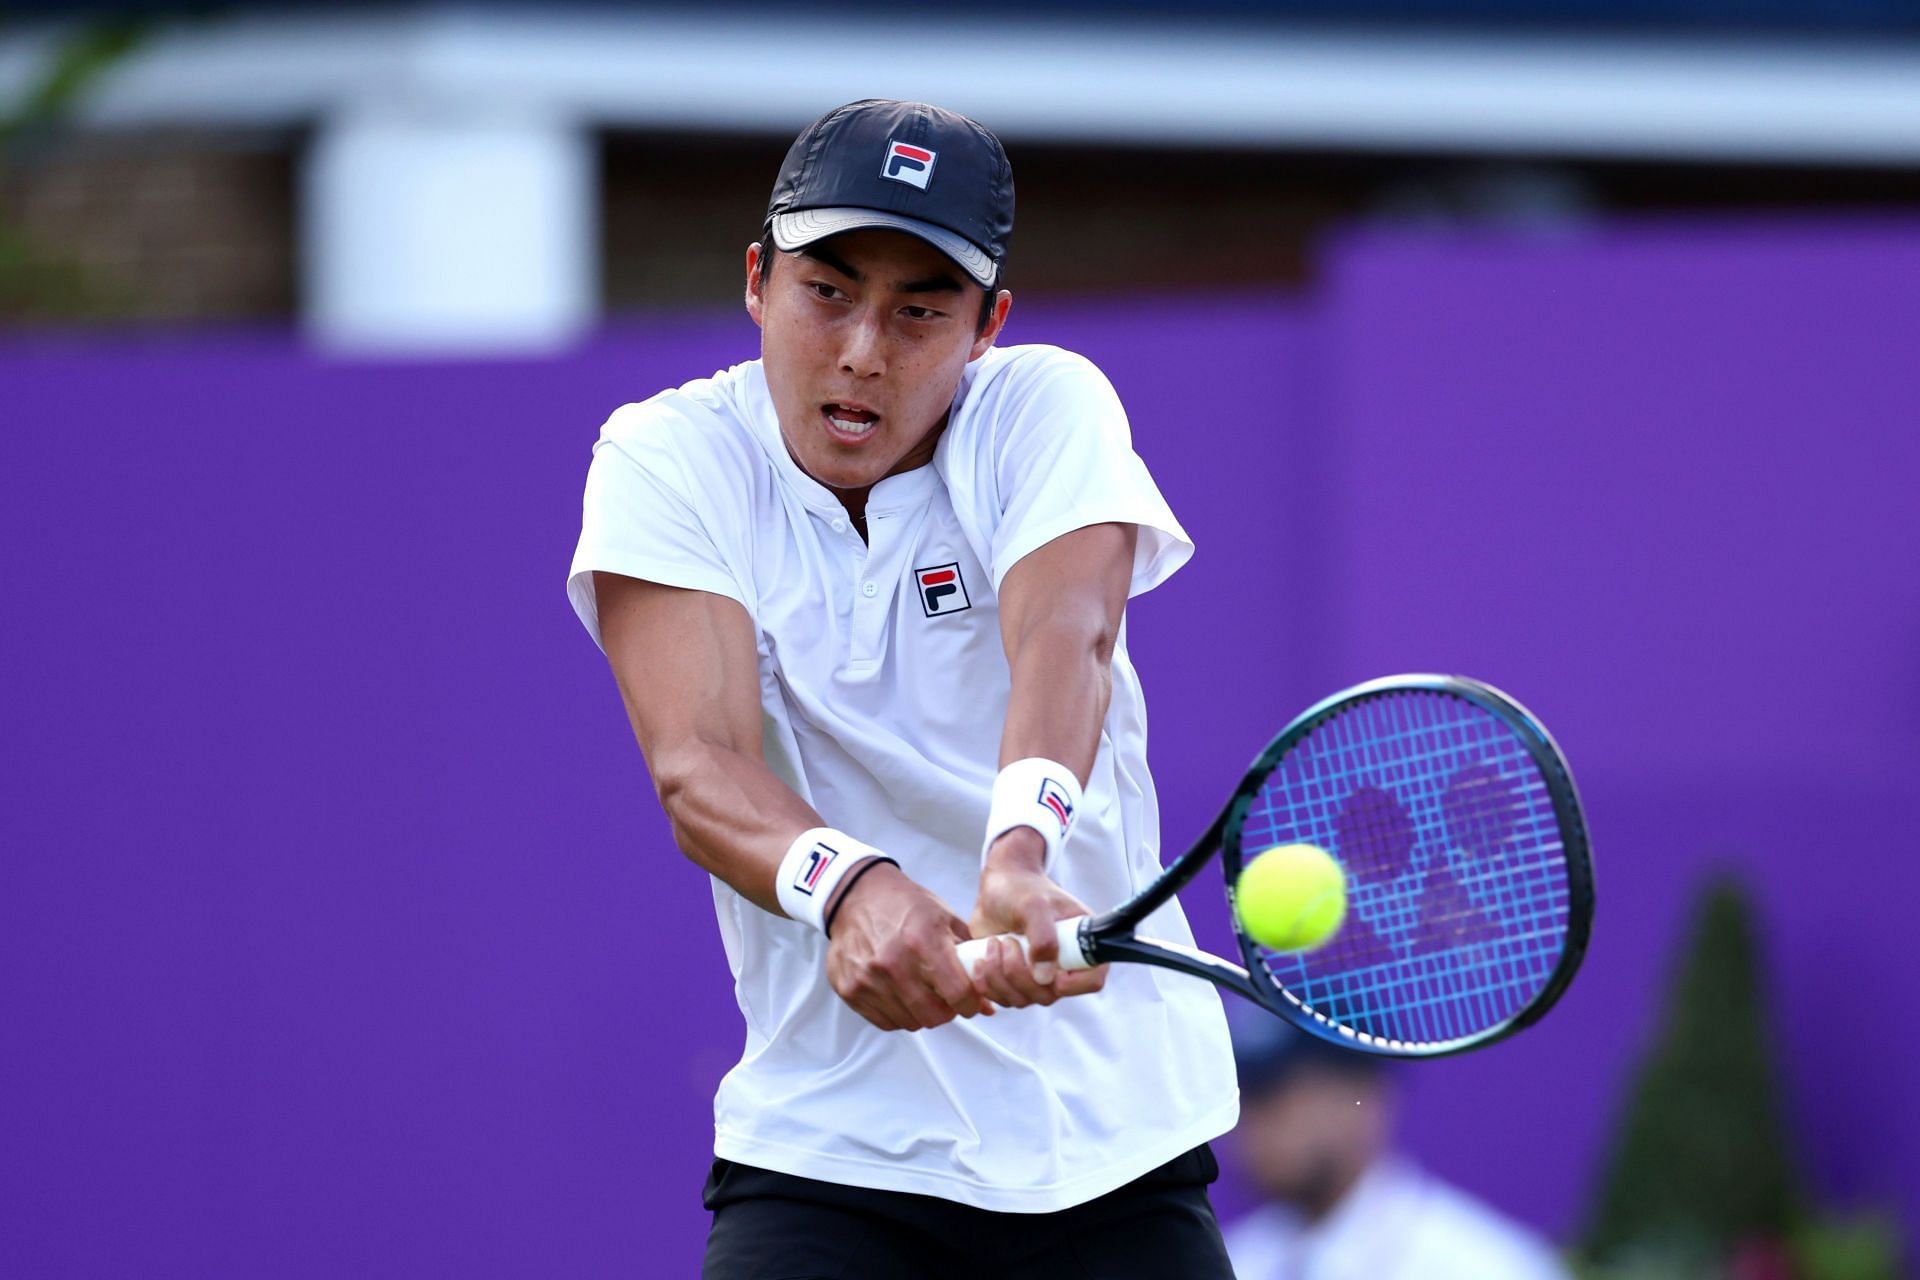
{"points": [[1072, 955]]}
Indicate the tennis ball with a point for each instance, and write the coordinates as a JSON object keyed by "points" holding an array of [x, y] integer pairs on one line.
{"points": [[1291, 898]]}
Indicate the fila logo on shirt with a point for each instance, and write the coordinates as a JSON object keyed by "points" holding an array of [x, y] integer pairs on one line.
{"points": [[819, 858], [909, 164], [942, 590], [1054, 797]]}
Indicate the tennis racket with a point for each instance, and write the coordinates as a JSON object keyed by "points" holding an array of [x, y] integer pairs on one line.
{"points": [[1469, 877]]}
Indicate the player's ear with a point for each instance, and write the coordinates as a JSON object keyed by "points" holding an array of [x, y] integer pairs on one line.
{"points": [[756, 280], [996, 321]]}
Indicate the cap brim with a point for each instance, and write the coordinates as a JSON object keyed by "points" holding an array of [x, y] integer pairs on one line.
{"points": [[799, 229]]}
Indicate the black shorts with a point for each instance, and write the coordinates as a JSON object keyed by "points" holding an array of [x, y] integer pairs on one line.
{"points": [[774, 1226]]}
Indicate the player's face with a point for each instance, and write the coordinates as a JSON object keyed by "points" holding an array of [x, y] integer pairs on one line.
{"points": [[864, 337]]}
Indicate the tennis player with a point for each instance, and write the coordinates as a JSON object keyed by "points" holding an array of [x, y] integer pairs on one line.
{"points": [[864, 598]]}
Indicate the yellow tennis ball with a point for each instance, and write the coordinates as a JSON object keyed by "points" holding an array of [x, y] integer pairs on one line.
{"points": [[1291, 898]]}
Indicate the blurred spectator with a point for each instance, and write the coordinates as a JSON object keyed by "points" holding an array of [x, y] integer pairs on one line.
{"points": [[1316, 1137]]}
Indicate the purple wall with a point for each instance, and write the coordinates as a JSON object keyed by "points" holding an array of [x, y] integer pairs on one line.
{"points": [[1665, 487], [342, 935]]}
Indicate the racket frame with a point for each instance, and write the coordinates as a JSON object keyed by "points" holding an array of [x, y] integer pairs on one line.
{"points": [[1110, 935]]}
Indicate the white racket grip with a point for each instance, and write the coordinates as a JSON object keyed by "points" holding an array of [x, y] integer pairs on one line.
{"points": [[1067, 931]]}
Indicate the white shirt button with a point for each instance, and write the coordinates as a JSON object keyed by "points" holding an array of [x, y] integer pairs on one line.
{"points": [[839, 526], [869, 590]]}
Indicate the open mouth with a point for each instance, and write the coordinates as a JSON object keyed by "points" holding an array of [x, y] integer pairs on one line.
{"points": [[849, 423]]}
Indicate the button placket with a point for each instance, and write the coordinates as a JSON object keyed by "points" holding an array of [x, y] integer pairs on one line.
{"points": [[872, 607]]}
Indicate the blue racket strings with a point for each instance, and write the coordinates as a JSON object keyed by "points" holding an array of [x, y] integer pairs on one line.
{"points": [[1457, 883]]}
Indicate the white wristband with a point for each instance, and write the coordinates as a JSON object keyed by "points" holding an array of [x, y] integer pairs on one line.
{"points": [[814, 866], [1038, 793]]}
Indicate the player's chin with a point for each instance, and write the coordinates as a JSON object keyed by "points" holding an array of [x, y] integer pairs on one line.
{"points": [[838, 467]]}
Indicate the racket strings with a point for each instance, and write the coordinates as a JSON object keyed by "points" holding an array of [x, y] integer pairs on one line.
{"points": [[1458, 897]]}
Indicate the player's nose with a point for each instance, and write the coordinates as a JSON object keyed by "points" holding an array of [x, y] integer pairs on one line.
{"points": [[863, 350]]}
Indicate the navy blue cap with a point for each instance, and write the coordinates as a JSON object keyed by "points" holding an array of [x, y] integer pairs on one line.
{"points": [[1268, 1051], [903, 166]]}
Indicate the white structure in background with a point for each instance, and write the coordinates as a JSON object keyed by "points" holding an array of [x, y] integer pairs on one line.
{"points": [[449, 230], [450, 198]]}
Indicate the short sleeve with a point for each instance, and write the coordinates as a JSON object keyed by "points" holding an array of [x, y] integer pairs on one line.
{"points": [[637, 520], [1064, 460]]}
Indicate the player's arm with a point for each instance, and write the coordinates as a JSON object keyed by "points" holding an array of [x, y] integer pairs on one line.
{"points": [[1061, 607], [688, 672]]}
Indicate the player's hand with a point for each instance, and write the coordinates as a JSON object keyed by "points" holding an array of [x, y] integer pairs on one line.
{"points": [[1017, 897], [890, 954]]}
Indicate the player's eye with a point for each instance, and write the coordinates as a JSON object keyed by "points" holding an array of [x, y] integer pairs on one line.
{"points": [[919, 313], [825, 290]]}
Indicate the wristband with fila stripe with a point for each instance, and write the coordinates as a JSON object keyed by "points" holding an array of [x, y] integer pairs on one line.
{"points": [[1038, 793], [815, 864]]}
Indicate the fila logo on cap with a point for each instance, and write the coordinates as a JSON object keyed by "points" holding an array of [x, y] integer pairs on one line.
{"points": [[941, 590], [909, 164]]}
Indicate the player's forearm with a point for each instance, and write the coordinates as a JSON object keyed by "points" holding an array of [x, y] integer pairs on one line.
{"points": [[1060, 613], [732, 816], [1062, 681]]}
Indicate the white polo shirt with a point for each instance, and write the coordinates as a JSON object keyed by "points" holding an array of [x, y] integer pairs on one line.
{"points": [[884, 688]]}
